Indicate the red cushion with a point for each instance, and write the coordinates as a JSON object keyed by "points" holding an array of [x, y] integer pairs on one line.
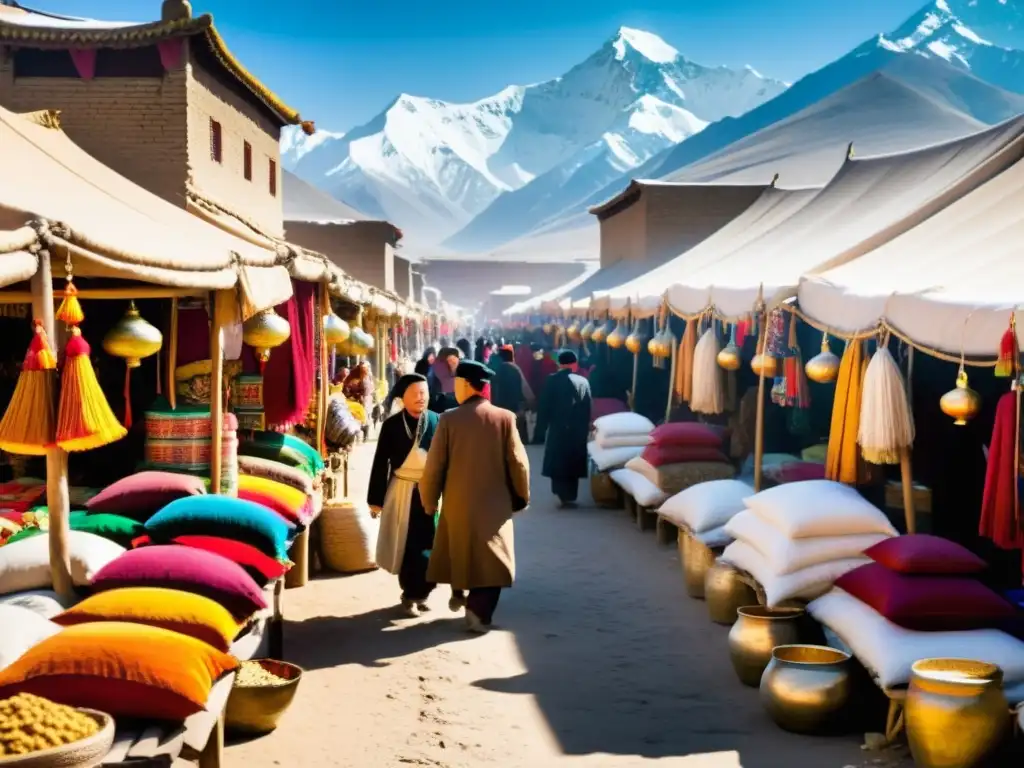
{"points": [[922, 553], [142, 495], [659, 455], [187, 569], [795, 472], [927, 603], [261, 567], [687, 433]]}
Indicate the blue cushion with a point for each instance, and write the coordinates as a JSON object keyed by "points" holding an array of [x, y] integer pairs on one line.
{"points": [[223, 516]]}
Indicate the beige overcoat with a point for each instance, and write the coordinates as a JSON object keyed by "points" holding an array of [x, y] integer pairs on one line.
{"points": [[476, 462]]}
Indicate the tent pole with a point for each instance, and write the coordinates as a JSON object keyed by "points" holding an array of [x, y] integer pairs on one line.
{"points": [[907, 479], [58, 500], [759, 428], [172, 356], [216, 392]]}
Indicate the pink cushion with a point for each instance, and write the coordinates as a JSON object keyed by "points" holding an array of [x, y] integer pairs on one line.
{"points": [[659, 455], [606, 406], [927, 603], [795, 472], [921, 553], [142, 495], [687, 433], [188, 570]]}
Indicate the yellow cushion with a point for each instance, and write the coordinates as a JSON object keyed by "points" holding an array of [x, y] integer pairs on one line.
{"points": [[291, 503]]}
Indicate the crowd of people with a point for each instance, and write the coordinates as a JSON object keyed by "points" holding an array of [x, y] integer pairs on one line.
{"points": [[450, 469]]}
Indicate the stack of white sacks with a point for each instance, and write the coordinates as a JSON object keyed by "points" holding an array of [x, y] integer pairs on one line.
{"points": [[705, 510], [797, 539], [618, 438]]}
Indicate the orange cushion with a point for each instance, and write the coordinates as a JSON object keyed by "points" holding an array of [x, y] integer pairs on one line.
{"points": [[128, 670], [290, 503], [184, 612]]}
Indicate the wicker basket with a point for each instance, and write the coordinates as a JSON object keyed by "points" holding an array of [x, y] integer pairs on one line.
{"points": [[348, 537], [84, 753], [604, 492], [255, 709], [674, 478], [178, 454]]}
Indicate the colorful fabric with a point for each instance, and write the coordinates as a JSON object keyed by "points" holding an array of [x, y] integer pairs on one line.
{"points": [[842, 460], [289, 375], [141, 495], [689, 433], [294, 506], [222, 516], [262, 568], [311, 455], [924, 554], [999, 515]]}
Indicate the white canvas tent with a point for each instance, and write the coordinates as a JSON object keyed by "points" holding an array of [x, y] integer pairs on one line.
{"points": [[869, 202], [949, 283], [550, 302]]}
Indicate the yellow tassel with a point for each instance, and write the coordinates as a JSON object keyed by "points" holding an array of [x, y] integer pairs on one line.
{"points": [[85, 420], [28, 424], [70, 310]]}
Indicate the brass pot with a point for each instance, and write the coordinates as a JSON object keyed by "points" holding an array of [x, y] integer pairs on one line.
{"points": [[264, 331], [961, 403], [757, 632], [824, 366], [725, 593], [806, 688], [256, 709], [601, 332], [767, 362], [587, 331], [729, 358], [696, 559], [956, 713], [617, 337], [637, 339], [132, 338]]}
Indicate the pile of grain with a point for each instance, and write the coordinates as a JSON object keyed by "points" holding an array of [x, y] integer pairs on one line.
{"points": [[30, 723]]}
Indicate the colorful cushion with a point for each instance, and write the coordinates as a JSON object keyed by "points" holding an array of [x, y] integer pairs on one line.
{"points": [[706, 506], [795, 472], [184, 612], [119, 529], [274, 470], [25, 564], [187, 569], [282, 454], [623, 424], [927, 603], [23, 629], [659, 454], [818, 508], [25, 533], [311, 455], [139, 496], [262, 568], [689, 433], [921, 553], [128, 670], [291, 504], [222, 516]]}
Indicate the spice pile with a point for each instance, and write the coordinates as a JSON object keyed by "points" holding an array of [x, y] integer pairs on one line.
{"points": [[253, 675], [29, 724]]}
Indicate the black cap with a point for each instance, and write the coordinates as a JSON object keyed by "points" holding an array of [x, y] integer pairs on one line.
{"points": [[475, 373], [567, 357], [404, 383]]}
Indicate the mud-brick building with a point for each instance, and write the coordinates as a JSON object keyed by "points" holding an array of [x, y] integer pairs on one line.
{"points": [[164, 103]]}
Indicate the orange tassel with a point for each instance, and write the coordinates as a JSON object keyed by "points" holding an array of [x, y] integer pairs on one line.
{"points": [[70, 310], [84, 419], [1006, 365], [28, 424]]}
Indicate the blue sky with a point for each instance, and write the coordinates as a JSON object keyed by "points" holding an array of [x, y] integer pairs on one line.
{"points": [[341, 61]]}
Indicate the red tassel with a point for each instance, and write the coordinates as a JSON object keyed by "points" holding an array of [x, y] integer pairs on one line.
{"points": [[127, 398], [1006, 365]]}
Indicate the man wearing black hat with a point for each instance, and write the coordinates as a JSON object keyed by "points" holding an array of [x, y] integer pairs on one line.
{"points": [[563, 425], [478, 462]]}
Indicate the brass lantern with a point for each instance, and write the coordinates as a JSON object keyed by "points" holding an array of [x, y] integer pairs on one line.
{"points": [[617, 337], [636, 339], [961, 403], [729, 357], [766, 362], [823, 368], [336, 330], [133, 338], [573, 332], [656, 346], [601, 332], [264, 331], [587, 331]]}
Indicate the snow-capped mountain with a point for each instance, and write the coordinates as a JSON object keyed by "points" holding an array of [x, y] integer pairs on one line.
{"points": [[295, 143], [432, 166]]}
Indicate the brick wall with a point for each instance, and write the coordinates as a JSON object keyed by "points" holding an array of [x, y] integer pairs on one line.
{"points": [[241, 121], [362, 248], [136, 126], [624, 234]]}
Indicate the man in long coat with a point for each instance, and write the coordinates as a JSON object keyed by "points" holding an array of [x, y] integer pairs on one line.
{"points": [[563, 425], [478, 463], [510, 390]]}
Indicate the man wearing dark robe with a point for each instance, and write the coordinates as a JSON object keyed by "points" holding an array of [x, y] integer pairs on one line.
{"points": [[563, 425], [510, 390]]}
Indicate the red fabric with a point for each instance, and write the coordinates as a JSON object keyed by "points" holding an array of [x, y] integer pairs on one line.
{"points": [[795, 472], [290, 373], [487, 392], [927, 603], [604, 406], [193, 336], [686, 433], [662, 455], [186, 569], [924, 554], [998, 513], [261, 567]]}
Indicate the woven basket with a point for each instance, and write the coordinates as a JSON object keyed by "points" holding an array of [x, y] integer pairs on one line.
{"points": [[178, 454], [673, 478], [84, 753], [348, 537], [171, 425], [604, 492]]}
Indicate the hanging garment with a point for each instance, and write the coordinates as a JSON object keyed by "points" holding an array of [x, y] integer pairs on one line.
{"points": [[842, 458], [999, 518]]}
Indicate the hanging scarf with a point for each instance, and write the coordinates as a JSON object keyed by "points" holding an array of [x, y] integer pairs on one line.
{"points": [[841, 460], [289, 375], [684, 365], [998, 514]]}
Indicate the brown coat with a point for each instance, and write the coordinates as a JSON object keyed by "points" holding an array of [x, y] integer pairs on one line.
{"points": [[476, 461]]}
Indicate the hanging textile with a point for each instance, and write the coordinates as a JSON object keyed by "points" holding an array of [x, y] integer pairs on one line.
{"points": [[842, 458], [999, 518], [684, 366], [288, 379], [193, 334]]}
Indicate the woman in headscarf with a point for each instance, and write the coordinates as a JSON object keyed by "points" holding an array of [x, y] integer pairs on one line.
{"points": [[359, 389], [465, 348], [424, 363], [406, 532], [441, 380]]}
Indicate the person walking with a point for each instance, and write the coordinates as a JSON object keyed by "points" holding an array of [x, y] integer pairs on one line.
{"points": [[441, 380], [510, 390], [563, 425], [424, 364], [406, 531], [359, 389], [480, 465]]}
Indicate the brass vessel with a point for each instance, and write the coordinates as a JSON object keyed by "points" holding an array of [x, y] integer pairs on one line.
{"points": [[256, 709], [729, 357], [956, 713], [336, 330], [961, 403], [636, 339], [806, 688], [573, 331], [587, 331], [769, 363], [823, 368], [264, 331], [757, 632], [617, 337], [601, 332], [696, 559], [726, 593], [133, 338]]}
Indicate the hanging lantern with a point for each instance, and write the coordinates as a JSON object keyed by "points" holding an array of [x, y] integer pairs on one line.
{"points": [[962, 403], [823, 368], [336, 330], [265, 331], [730, 358], [617, 337], [548, 327], [133, 338], [766, 362], [656, 346], [636, 339], [587, 331], [573, 332], [601, 332]]}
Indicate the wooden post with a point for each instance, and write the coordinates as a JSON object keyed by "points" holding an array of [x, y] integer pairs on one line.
{"points": [[907, 477], [58, 500], [216, 393], [759, 428], [172, 356]]}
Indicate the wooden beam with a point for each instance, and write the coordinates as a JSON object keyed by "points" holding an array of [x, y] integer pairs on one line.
{"points": [[216, 392]]}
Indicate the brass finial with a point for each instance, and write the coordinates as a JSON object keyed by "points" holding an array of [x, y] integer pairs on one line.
{"points": [[175, 10]]}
